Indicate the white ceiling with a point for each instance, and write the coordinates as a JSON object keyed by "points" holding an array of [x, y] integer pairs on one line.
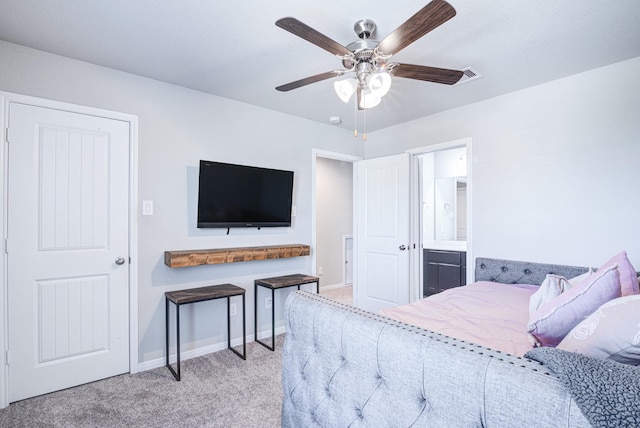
{"points": [[234, 50]]}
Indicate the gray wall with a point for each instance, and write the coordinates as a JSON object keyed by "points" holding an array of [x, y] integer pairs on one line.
{"points": [[555, 168], [334, 216]]}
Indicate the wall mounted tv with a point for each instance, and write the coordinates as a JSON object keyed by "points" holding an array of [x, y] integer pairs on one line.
{"points": [[243, 196]]}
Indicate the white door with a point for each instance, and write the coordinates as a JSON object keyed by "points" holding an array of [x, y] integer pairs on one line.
{"points": [[382, 232], [67, 242]]}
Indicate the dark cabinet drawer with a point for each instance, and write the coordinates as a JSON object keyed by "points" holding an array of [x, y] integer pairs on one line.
{"points": [[436, 256], [449, 276], [430, 279], [443, 270]]}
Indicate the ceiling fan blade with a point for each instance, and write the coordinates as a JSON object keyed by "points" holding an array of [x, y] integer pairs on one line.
{"points": [[311, 79], [301, 29], [426, 19], [429, 74]]}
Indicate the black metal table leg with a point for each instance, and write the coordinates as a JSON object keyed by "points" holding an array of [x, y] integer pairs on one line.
{"points": [[175, 373], [244, 329], [273, 319], [166, 328], [255, 316], [178, 340], [228, 322], [244, 338]]}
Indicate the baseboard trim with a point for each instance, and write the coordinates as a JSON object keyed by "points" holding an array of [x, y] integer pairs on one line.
{"points": [[204, 350], [332, 286]]}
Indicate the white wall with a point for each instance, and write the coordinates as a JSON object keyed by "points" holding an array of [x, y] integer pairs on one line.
{"points": [[334, 207], [177, 128], [556, 167]]}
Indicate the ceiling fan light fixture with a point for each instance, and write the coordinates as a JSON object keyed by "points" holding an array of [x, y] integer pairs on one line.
{"points": [[345, 88], [369, 100], [379, 84]]}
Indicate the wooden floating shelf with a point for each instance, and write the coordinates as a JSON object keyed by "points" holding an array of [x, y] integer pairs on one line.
{"points": [[185, 258]]}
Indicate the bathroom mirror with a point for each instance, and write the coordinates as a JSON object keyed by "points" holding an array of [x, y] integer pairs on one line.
{"points": [[444, 195]]}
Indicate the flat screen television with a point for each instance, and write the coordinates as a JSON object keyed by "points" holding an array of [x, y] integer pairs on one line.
{"points": [[243, 196]]}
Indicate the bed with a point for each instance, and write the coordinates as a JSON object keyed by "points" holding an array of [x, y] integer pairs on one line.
{"points": [[343, 366], [493, 311], [491, 314]]}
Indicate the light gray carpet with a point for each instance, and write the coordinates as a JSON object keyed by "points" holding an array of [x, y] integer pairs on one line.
{"points": [[216, 390]]}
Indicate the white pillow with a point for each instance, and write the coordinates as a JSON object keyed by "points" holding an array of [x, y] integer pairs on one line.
{"points": [[578, 279], [551, 287]]}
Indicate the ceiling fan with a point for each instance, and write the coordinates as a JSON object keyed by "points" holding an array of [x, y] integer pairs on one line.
{"points": [[369, 59]]}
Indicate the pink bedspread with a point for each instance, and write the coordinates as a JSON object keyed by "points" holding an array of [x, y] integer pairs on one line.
{"points": [[486, 313]]}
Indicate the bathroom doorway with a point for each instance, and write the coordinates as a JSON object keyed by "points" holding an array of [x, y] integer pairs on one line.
{"points": [[443, 217]]}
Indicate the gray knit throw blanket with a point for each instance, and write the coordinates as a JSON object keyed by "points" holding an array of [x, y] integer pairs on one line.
{"points": [[607, 392]]}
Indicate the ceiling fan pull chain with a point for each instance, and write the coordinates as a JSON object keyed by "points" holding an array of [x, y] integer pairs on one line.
{"points": [[355, 117], [364, 124]]}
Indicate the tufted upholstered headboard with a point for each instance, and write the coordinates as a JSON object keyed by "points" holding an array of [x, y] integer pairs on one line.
{"points": [[514, 272]]}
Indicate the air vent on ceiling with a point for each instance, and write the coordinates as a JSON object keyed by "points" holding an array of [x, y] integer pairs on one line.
{"points": [[469, 74]]}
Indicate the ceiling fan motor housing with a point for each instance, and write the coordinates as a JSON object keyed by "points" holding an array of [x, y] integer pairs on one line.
{"points": [[364, 28], [365, 60], [363, 50]]}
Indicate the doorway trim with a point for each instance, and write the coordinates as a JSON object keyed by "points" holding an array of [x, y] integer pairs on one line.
{"points": [[6, 98], [315, 154], [416, 270]]}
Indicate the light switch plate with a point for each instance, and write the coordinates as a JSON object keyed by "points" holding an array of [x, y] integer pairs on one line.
{"points": [[147, 207]]}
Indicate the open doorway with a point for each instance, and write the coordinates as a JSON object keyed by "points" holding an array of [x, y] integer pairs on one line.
{"points": [[333, 222], [443, 193]]}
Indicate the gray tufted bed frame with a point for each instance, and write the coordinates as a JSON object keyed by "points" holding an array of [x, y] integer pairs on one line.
{"points": [[343, 366]]}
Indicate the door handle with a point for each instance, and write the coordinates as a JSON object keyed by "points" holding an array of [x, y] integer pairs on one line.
{"points": [[402, 247], [120, 261]]}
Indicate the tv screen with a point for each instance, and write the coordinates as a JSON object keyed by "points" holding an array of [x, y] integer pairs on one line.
{"points": [[243, 196]]}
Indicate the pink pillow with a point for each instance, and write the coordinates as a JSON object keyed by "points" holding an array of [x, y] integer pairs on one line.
{"points": [[628, 275], [553, 320]]}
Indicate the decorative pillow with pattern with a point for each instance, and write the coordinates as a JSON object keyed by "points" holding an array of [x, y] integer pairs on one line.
{"points": [[610, 333]]}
